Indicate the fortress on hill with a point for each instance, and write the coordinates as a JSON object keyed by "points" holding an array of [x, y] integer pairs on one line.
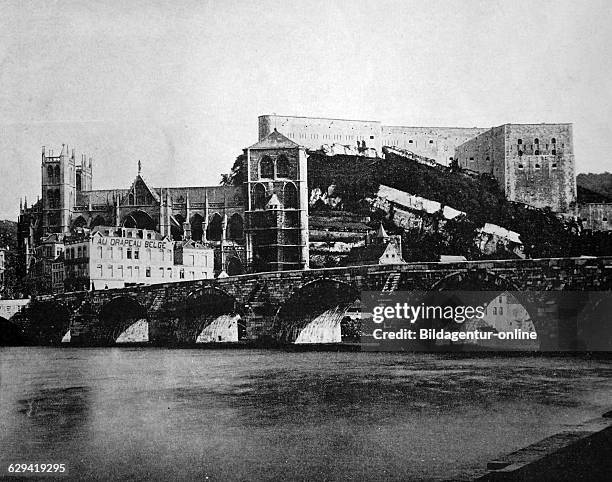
{"points": [[264, 224], [533, 163]]}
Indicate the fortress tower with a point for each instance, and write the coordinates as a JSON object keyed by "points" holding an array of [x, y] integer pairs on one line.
{"points": [[277, 204]]}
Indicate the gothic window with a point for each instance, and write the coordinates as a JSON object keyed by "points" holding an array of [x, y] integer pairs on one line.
{"points": [[259, 196], [215, 228], [266, 168], [235, 227], [282, 166], [196, 227], [290, 196], [56, 173], [50, 173], [78, 181]]}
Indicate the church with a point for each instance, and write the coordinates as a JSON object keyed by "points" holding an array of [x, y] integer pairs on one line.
{"points": [[259, 226]]}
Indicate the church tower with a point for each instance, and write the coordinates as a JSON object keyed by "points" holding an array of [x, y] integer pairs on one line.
{"points": [[277, 205], [58, 190], [62, 179]]}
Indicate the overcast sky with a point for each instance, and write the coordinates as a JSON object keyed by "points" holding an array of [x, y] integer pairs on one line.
{"points": [[179, 84]]}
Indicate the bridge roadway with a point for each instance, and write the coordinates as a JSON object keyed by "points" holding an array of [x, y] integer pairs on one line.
{"points": [[271, 305]]}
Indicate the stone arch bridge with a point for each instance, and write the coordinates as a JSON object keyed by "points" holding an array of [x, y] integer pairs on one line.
{"points": [[275, 306]]}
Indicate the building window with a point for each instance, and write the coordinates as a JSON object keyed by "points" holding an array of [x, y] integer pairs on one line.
{"points": [[371, 137], [148, 272], [282, 166], [536, 141], [161, 272], [501, 310], [537, 152], [137, 271], [182, 274], [431, 141], [553, 140], [494, 310], [520, 153], [410, 141], [266, 168], [99, 271], [520, 141], [290, 196], [520, 166], [110, 271], [99, 252], [169, 272], [537, 166], [554, 165], [471, 158], [259, 196], [554, 152], [129, 254]]}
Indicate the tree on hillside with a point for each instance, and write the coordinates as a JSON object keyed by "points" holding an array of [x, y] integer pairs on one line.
{"points": [[237, 176]]}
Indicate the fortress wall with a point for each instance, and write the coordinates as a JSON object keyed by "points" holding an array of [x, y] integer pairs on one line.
{"points": [[437, 143], [313, 132]]}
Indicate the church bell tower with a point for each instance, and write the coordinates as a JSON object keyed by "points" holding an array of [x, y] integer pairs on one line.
{"points": [[277, 205]]}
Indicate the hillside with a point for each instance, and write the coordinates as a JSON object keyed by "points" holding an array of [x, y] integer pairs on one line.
{"points": [[8, 234], [356, 178]]}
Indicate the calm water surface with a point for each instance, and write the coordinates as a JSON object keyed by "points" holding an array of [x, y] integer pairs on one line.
{"points": [[145, 413]]}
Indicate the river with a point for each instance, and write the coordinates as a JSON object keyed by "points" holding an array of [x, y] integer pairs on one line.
{"points": [[246, 414]]}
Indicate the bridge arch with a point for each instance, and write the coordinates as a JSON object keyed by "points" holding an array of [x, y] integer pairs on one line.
{"points": [[506, 307], [319, 312], [210, 314], [10, 333], [118, 315], [48, 322]]}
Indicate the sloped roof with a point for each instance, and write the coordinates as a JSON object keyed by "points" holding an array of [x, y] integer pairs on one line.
{"points": [[274, 140], [369, 254], [381, 233], [146, 185]]}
